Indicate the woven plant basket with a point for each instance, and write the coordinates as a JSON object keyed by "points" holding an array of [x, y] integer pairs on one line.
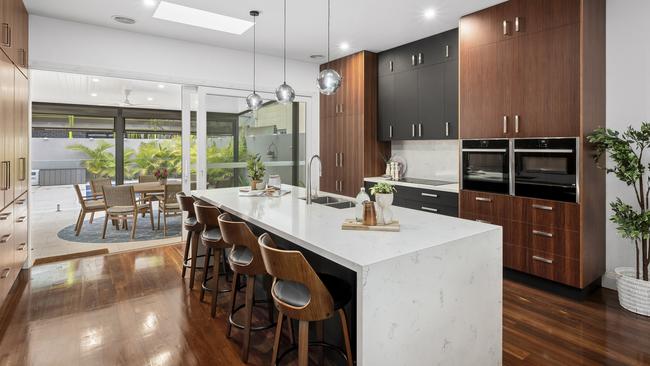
{"points": [[633, 294]]}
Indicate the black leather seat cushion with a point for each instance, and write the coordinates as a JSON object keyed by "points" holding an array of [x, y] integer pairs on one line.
{"points": [[190, 222], [297, 294], [213, 234], [241, 255]]}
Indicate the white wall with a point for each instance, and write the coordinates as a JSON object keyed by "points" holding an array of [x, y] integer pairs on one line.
{"points": [[429, 159], [628, 100]]}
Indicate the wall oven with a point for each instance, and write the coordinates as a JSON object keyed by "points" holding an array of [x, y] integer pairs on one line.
{"points": [[546, 168], [486, 165]]}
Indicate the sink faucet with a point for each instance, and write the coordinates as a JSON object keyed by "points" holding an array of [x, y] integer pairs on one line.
{"points": [[308, 183]]}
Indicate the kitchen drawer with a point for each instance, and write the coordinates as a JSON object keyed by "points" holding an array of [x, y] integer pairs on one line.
{"points": [[554, 267], [21, 204], [506, 226], [485, 204], [20, 239], [515, 257], [427, 196], [562, 215], [565, 243], [426, 207]]}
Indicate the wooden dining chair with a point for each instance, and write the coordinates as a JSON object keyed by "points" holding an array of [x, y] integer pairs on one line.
{"points": [[302, 294], [168, 205], [96, 190], [120, 203], [147, 178], [89, 205]]}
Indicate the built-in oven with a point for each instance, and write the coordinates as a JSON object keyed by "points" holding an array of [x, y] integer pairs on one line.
{"points": [[486, 165], [546, 168]]}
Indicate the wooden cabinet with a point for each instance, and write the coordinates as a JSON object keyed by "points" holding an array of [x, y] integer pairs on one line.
{"points": [[349, 146], [14, 32], [418, 89], [7, 137], [506, 73], [21, 134]]}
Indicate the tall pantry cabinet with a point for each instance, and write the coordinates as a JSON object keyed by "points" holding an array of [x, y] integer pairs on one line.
{"points": [[14, 141]]}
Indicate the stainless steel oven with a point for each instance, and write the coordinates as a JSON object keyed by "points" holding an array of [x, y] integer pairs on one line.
{"points": [[546, 168], [486, 165]]}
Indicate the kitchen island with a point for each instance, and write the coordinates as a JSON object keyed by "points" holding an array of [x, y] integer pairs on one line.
{"points": [[427, 295]]}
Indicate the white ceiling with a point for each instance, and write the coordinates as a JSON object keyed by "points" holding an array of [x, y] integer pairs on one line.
{"points": [[373, 25]]}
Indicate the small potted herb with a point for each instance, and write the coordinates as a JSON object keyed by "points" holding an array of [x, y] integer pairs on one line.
{"points": [[383, 193], [256, 171]]}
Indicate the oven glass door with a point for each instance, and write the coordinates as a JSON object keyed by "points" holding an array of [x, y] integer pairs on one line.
{"points": [[486, 170], [549, 174]]}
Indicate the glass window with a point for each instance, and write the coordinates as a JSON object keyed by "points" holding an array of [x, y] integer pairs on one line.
{"points": [[150, 146]]}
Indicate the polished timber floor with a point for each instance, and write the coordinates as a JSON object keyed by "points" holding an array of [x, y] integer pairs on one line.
{"points": [[134, 309]]}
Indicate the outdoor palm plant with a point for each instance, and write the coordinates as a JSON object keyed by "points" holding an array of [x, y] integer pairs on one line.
{"points": [[100, 162]]}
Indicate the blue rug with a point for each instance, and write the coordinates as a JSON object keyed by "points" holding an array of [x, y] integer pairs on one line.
{"points": [[92, 233]]}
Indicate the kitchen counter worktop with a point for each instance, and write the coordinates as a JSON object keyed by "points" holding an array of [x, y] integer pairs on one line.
{"points": [[452, 187], [417, 290]]}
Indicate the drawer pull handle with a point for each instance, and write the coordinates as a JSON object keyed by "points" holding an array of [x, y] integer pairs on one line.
{"points": [[20, 202], [542, 207], [430, 195], [21, 247], [5, 216], [21, 219], [429, 209], [5, 273], [483, 199], [542, 233], [542, 259], [483, 221], [5, 238]]}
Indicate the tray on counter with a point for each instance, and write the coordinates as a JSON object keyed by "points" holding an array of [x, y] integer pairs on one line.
{"points": [[352, 224]]}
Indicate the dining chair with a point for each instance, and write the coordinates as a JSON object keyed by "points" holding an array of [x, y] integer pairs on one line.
{"points": [[96, 190], [120, 203], [89, 205], [168, 205], [147, 178]]}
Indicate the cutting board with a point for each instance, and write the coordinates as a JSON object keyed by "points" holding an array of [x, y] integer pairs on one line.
{"points": [[352, 224]]}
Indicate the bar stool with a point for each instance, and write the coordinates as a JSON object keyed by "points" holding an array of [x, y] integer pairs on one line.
{"points": [[245, 260], [193, 231], [208, 217], [299, 293]]}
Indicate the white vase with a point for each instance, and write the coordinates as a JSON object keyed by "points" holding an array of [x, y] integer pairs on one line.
{"points": [[384, 212], [633, 293]]}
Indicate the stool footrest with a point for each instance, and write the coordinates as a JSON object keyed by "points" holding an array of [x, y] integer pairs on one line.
{"points": [[253, 329], [294, 348]]}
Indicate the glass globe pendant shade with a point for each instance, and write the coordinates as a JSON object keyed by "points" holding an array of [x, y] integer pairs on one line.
{"points": [[254, 101], [328, 81], [285, 94]]}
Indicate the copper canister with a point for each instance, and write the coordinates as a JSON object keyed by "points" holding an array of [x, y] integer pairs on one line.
{"points": [[369, 214]]}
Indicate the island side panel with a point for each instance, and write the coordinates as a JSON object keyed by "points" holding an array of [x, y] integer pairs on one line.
{"points": [[439, 306]]}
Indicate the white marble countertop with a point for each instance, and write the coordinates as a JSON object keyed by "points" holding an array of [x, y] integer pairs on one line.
{"points": [[318, 228], [453, 187]]}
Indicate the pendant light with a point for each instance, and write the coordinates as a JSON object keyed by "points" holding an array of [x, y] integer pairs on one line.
{"points": [[328, 80], [284, 93], [254, 100]]}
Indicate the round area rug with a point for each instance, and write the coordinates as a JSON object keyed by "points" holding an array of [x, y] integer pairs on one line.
{"points": [[92, 233]]}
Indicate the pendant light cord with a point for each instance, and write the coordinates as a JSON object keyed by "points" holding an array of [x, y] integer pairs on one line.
{"points": [[285, 41], [328, 32], [254, 36]]}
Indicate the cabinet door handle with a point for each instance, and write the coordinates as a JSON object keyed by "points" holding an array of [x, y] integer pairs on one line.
{"points": [[341, 107], [5, 238], [516, 123], [413, 130], [21, 219], [6, 35], [483, 199], [390, 131], [447, 51], [420, 58], [542, 207], [21, 247], [5, 273], [390, 66], [22, 169], [429, 195], [4, 216], [4, 176], [337, 160], [542, 259], [419, 129], [505, 124], [8, 175], [505, 27], [341, 159], [446, 128], [483, 221], [542, 233], [22, 58], [516, 24], [412, 60], [425, 208]]}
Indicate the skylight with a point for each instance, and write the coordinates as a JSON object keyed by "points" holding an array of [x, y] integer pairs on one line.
{"points": [[200, 18]]}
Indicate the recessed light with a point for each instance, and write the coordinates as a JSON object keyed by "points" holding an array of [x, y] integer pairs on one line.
{"points": [[200, 18], [93, 94], [149, 3], [316, 57], [161, 86], [123, 19], [95, 80], [429, 14], [344, 46], [150, 99]]}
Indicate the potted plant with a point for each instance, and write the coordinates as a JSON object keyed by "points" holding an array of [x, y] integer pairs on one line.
{"points": [[626, 151], [383, 193], [161, 175], [256, 170]]}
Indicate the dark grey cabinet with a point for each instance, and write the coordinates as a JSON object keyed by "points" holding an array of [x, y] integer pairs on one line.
{"points": [[418, 90], [428, 200]]}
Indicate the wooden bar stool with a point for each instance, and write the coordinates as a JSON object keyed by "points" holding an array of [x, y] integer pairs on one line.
{"points": [[193, 231], [299, 293], [208, 217], [245, 260]]}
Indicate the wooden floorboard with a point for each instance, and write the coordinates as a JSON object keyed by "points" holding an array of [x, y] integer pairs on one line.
{"points": [[134, 309]]}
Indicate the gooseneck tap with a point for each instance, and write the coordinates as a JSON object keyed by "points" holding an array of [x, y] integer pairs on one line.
{"points": [[308, 183]]}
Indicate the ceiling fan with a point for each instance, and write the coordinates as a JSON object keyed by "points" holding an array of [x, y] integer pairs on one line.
{"points": [[127, 102]]}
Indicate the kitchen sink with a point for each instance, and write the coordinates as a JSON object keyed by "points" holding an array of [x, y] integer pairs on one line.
{"points": [[331, 202]]}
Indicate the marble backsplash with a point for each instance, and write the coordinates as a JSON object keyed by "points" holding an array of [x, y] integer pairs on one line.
{"points": [[429, 159]]}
